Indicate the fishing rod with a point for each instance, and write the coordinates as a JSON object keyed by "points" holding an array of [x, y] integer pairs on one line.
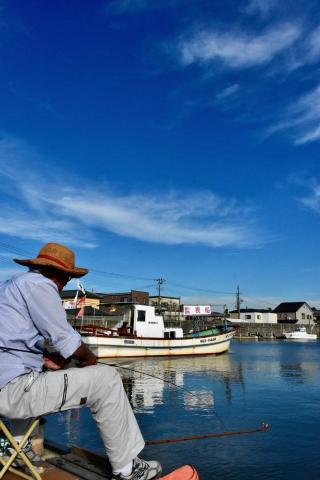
{"points": [[263, 428]]}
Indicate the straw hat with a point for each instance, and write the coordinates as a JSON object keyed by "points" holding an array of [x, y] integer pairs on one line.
{"points": [[55, 256]]}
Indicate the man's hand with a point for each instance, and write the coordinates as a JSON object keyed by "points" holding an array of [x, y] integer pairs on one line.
{"points": [[54, 361], [84, 356]]}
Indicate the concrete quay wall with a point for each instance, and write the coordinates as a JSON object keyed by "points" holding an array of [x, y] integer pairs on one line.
{"points": [[269, 330]]}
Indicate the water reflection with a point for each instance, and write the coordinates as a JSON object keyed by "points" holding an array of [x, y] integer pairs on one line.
{"points": [[145, 391], [296, 362]]}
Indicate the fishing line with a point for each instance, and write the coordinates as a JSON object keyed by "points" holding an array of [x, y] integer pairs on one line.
{"points": [[149, 375], [164, 381], [111, 365]]}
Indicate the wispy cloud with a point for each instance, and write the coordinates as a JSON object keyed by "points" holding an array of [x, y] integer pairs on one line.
{"points": [[118, 7], [313, 45], [237, 49], [302, 118], [312, 200], [45, 208], [5, 273], [228, 92], [261, 7]]}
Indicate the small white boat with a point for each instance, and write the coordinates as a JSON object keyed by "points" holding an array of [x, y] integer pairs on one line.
{"points": [[145, 336], [300, 333]]}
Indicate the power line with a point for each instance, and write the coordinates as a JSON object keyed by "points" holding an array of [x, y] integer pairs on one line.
{"points": [[10, 248], [103, 272], [200, 289]]}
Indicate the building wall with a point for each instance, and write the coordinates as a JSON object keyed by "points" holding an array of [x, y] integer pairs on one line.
{"points": [[286, 317], [305, 315], [135, 296], [258, 317]]}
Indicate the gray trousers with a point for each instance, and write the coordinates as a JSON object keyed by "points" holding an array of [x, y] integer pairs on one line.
{"points": [[99, 387]]}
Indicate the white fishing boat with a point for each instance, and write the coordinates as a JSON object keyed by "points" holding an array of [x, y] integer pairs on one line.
{"points": [[300, 333], [145, 336]]}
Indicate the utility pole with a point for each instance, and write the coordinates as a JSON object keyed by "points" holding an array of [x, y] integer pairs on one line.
{"points": [[238, 301], [160, 282]]}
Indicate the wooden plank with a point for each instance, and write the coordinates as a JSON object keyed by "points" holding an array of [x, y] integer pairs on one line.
{"points": [[54, 473], [75, 468], [100, 462], [51, 473], [89, 464]]}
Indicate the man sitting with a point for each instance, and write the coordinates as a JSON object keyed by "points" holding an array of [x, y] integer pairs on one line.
{"points": [[31, 313]]}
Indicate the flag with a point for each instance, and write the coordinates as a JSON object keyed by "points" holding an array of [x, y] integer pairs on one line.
{"points": [[80, 288], [81, 304]]}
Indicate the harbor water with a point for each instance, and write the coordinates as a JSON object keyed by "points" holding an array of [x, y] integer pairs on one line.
{"points": [[277, 382]]}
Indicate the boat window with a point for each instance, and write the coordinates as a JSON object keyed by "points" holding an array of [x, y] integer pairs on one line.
{"points": [[141, 316]]}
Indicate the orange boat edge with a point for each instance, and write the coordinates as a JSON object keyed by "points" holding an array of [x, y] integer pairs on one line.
{"points": [[187, 472]]}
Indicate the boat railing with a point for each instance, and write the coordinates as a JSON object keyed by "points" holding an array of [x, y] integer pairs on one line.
{"points": [[97, 331], [100, 331]]}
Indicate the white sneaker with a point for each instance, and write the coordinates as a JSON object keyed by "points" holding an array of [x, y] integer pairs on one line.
{"points": [[141, 470], [36, 461]]}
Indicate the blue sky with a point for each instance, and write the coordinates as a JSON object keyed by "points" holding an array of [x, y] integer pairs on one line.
{"points": [[173, 138]]}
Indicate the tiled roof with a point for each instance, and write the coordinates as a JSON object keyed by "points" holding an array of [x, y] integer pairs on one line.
{"points": [[288, 307], [72, 293]]}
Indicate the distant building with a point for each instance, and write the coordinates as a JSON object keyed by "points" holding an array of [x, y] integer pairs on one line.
{"points": [[316, 315], [294, 312], [133, 297], [254, 315], [170, 307], [68, 296]]}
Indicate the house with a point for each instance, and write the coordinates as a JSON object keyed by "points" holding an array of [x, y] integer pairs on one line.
{"points": [[294, 312], [254, 315]]}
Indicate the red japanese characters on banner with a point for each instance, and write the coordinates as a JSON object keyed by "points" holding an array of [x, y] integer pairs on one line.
{"points": [[196, 310]]}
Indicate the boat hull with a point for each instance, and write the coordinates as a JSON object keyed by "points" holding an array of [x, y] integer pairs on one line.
{"points": [[115, 347], [297, 336]]}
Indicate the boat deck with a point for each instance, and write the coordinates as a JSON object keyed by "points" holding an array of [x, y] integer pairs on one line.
{"points": [[74, 464]]}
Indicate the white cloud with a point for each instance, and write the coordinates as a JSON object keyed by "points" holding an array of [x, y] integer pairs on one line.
{"points": [[261, 7], [312, 201], [5, 273], [228, 92], [45, 208], [302, 118], [313, 45], [238, 49]]}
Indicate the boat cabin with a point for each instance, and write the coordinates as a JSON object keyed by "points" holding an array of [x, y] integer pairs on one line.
{"points": [[144, 322]]}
